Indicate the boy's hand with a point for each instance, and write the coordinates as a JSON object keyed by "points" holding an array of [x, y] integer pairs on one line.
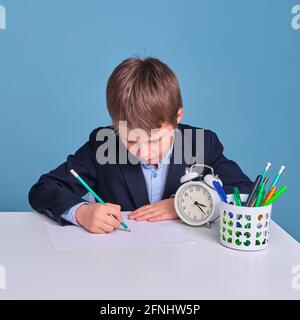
{"points": [[161, 210], [99, 218]]}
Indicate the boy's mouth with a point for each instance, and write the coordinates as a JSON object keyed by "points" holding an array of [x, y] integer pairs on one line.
{"points": [[150, 161]]}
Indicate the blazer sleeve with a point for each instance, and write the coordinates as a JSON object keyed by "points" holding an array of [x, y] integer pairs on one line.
{"points": [[57, 191], [228, 171]]}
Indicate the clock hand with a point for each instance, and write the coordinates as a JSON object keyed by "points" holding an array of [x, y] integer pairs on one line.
{"points": [[200, 204], [197, 203]]}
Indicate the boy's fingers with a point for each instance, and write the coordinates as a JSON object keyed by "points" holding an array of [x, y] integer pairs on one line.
{"points": [[155, 219], [146, 207], [142, 214], [141, 211], [147, 216], [161, 217], [107, 227], [113, 205], [114, 209], [114, 212], [97, 230], [112, 221], [118, 216]]}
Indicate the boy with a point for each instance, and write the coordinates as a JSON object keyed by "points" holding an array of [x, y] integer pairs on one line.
{"points": [[145, 96]]}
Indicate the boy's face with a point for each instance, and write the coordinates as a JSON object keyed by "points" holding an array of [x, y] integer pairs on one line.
{"points": [[149, 147]]}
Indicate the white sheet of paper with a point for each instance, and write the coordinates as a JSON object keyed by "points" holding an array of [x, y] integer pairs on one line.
{"points": [[143, 234]]}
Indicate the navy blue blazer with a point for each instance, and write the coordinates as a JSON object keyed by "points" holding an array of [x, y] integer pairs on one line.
{"points": [[123, 184]]}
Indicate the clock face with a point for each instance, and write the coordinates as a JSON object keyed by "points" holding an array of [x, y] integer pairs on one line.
{"points": [[195, 203]]}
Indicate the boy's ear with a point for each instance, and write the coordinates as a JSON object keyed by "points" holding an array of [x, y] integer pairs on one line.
{"points": [[179, 114]]}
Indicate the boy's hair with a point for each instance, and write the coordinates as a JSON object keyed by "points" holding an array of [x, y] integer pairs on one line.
{"points": [[143, 92]]}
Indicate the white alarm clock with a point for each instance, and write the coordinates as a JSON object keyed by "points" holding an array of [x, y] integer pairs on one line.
{"points": [[196, 202]]}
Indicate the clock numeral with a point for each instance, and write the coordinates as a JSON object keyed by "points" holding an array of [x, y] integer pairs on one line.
{"points": [[198, 188]]}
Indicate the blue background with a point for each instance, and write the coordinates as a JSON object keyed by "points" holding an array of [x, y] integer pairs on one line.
{"points": [[237, 62]]}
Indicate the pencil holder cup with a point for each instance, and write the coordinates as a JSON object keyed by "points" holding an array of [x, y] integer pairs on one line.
{"points": [[244, 228]]}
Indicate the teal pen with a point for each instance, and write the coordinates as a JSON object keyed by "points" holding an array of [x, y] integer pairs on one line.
{"points": [[263, 175], [277, 176], [90, 190]]}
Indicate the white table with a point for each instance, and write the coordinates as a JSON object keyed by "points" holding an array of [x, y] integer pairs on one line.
{"points": [[204, 271]]}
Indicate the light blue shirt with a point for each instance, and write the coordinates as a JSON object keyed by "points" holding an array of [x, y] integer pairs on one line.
{"points": [[155, 178]]}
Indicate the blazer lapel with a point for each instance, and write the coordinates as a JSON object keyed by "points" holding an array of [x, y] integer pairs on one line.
{"points": [[176, 171], [135, 181]]}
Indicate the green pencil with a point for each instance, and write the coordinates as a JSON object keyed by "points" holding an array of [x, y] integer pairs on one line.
{"points": [[237, 197], [276, 195], [89, 189]]}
